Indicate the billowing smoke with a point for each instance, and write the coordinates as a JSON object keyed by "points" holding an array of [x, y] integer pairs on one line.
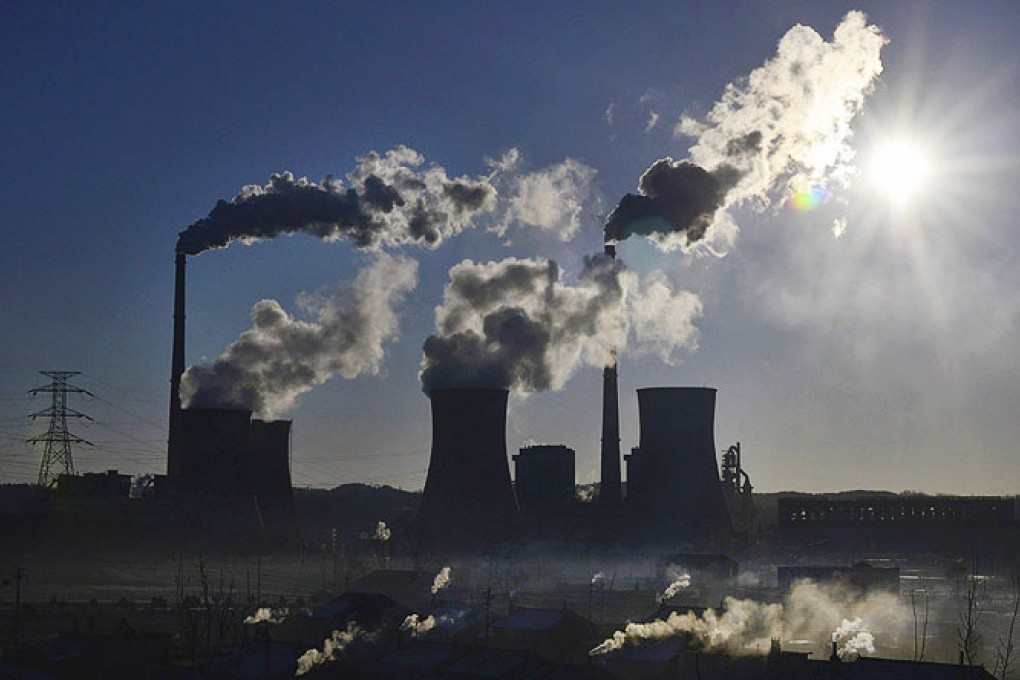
{"points": [[551, 198], [281, 357], [852, 638], [678, 580], [331, 648], [442, 580], [598, 579], [515, 324], [382, 532], [389, 199], [747, 626], [784, 127], [266, 615], [417, 625]]}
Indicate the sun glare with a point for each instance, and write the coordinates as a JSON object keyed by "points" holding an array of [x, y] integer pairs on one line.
{"points": [[899, 169]]}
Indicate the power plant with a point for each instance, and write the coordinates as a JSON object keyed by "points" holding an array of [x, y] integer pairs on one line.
{"points": [[224, 456]]}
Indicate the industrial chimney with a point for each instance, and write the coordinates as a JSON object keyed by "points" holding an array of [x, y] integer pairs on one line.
{"points": [[175, 462], [610, 492], [672, 478], [468, 500]]}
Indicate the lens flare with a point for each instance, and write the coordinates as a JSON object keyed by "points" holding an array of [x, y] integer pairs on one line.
{"points": [[806, 200]]}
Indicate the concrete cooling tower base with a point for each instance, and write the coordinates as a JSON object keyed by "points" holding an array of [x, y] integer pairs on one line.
{"points": [[468, 501]]}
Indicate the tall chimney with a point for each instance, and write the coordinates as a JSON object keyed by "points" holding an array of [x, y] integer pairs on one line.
{"points": [[468, 500], [610, 492], [174, 462]]}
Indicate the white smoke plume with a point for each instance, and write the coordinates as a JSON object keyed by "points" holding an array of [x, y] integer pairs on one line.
{"points": [[389, 200], [852, 638], [441, 580], [679, 580], [598, 579], [382, 532], [281, 357], [552, 198], [331, 647], [747, 626], [266, 615], [515, 324], [784, 127], [418, 626]]}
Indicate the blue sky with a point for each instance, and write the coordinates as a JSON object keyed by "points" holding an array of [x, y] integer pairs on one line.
{"points": [[886, 358]]}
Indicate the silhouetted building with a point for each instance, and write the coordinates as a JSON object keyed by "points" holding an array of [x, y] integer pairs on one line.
{"points": [[109, 485], [672, 479], [544, 473], [468, 499]]}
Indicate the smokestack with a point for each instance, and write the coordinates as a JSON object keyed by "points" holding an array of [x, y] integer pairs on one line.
{"points": [[468, 499], [610, 492], [676, 487], [174, 459]]}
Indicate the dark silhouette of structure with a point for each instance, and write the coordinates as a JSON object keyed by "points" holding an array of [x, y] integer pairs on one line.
{"points": [[468, 499], [544, 473], [177, 366], [610, 491], [672, 476], [57, 440]]}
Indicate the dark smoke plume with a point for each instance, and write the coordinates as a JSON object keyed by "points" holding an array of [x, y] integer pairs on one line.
{"points": [[390, 201], [517, 325], [676, 197], [783, 128]]}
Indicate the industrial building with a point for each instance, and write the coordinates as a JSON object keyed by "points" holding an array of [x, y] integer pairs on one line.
{"points": [[543, 474]]}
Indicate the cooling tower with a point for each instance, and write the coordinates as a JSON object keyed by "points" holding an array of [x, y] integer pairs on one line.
{"points": [[672, 475], [468, 500]]}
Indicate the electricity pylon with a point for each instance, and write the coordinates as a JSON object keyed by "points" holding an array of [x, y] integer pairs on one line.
{"points": [[56, 458]]}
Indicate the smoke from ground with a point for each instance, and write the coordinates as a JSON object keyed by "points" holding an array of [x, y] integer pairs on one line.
{"points": [[859, 623], [515, 324], [281, 357], [442, 580], [266, 615], [785, 127], [331, 647], [678, 580], [382, 532]]}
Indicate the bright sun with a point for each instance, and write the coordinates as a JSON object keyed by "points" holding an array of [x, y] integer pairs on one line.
{"points": [[899, 169]]}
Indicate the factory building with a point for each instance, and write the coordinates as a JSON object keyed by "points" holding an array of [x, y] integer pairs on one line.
{"points": [[544, 473]]}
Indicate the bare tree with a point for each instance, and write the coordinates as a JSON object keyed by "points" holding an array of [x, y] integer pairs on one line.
{"points": [[920, 646], [1005, 653], [968, 635]]}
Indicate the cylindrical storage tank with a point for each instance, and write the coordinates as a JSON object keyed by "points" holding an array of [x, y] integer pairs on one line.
{"points": [[468, 500], [681, 497]]}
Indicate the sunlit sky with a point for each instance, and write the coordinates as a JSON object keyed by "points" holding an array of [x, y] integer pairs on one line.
{"points": [[870, 341]]}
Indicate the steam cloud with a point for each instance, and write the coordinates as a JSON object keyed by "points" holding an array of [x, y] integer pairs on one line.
{"points": [[747, 627], [551, 198], [852, 638], [281, 357], [417, 625], [784, 127], [266, 615], [390, 200], [331, 647], [515, 324], [441, 580], [382, 532], [679, 580]]}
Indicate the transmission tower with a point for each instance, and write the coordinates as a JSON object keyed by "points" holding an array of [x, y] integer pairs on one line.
{"points": [[56, 458]]}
